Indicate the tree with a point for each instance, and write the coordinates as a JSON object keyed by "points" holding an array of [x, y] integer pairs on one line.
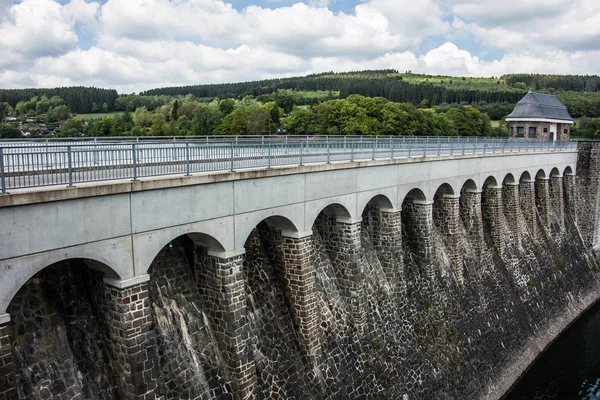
{"points": [[61, 113], [9, 131], [226, 106], [206, 120], [175, 110]]}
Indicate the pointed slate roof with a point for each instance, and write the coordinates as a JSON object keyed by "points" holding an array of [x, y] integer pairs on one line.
{"points": [[540, 105]]}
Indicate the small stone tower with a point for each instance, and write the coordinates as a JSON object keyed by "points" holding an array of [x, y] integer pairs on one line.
{"points": [[541, 116]]}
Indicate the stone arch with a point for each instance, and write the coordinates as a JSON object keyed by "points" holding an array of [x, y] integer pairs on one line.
{"points": [[277, 223], [508, 179], [525, 176], [555, 172], [568, 171], [26, 272], [379, 201], [541, 174]]}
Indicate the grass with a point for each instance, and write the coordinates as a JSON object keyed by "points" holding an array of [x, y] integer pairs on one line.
{"points": [[97, 115], [495, 124]]}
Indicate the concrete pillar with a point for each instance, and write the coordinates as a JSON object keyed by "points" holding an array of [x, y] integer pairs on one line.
{"points": [[221, 283], [299, 274], [527, 199], [388, 244], [418, 220], [128, 317], [470, 213], [569, 193], [510, 199], [446, 217], [8, 383], [344, 248], [542, 200], [557, 199], [493, 213]]}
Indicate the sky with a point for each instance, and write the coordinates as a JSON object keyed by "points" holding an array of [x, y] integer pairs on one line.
{"points": [[134, 45]]}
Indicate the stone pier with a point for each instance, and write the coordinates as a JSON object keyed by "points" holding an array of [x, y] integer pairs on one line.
{"points": [[470, 213], [527, 199], [221, 284], [387, 240], [8, 389], [446, 217], [344, 248], [542, 199], [557, 199], [493, 214], [569, 193], [299, 274], [418, 222], [128, 318], [510, 199]]}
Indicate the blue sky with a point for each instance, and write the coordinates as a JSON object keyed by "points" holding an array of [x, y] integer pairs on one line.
{"points": [[133, 45]]}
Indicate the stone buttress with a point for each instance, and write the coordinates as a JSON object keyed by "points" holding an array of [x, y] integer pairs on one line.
{"points": [[493, 213], [527, 199], [417, 216], [8, 386], [344, 247], [299, 275], [557, 199], [542, 199], [387, 240], [128, 319], [569, 193], [222, 287], [510, 199], [446, 217], [470, 213]]}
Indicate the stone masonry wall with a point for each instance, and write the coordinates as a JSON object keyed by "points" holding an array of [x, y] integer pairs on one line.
{"points": [[588, 182], [528, 207], [446, 218], [510, 198], [493, 215], [470, 213], [128, 322], [557, 200], [8, 384], [417, 222], [542, 200], [221, 283], [569, 182]]}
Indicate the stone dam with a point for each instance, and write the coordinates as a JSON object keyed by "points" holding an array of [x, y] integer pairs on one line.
{"points": [[410, 279]]}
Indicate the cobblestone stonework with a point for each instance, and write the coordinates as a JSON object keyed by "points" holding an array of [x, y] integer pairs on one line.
{"points": [[343, 242], [446, 218], [493, 215], [570, 199], [528, 205], [128, 320], [542, 200], [588, 182], [222, 286], [417, 221], [470, 213], [299, 274], [512, 209], [557, 203], [8, 384]]}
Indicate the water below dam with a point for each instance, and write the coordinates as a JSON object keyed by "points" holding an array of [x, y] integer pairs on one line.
{"points": [[570, 368]]}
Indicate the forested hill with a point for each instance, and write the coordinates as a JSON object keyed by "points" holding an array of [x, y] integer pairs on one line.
{"points": [[580, 93], [79, 99]]}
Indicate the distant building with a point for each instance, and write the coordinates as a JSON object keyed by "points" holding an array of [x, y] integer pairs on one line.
{"points": [[10, 119], [541, 116]]}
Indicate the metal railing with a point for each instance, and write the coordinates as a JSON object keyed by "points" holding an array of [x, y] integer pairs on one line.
{"points": [[26, 164]]}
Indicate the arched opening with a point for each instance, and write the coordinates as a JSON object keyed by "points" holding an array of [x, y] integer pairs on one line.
{"points": [[372, 218], [568, 171], [469, 185], [442, 204], [490, 181], [554, 172], [59, 332], [183, 278], [541, 174], [525, 176], [508, 179]]}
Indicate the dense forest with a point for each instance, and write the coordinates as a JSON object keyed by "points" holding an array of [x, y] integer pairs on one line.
{"points": [[365, 103], [78, 99]]}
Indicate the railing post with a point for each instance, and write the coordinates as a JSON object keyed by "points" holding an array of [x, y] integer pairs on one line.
{"points": [[134, 160], [392, 147], [70, 165], [231, 155], [328, 155], [269, 156], [351, 151], [187, 158], [439, 146], [373, 151], [484, 147], [301, 147], [2, 177], [425, 146]]}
